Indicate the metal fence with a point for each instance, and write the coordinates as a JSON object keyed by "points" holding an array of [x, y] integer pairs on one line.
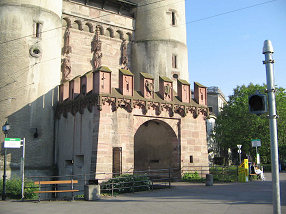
{"points": [[133, 181], [138, 180], [220, 173]]}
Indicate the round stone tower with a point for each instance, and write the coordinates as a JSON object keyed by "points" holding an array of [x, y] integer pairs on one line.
{"points": [[160, 40], [30, 62]]}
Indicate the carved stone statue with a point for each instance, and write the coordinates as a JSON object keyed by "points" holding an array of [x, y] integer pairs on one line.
{"points": [[67, 47], [66, 67], [96, 48], [124, 57]]}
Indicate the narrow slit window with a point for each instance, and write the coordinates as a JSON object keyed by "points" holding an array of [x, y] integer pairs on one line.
{"points": [[174, 61], [173, 18], [191, 159], [38, 29]]}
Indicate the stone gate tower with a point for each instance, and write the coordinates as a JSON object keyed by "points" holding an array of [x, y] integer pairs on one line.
{"points": [[160, 40], [30, 63]]}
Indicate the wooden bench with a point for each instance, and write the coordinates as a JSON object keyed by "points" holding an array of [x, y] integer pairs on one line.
{"points": [[72, 190]]}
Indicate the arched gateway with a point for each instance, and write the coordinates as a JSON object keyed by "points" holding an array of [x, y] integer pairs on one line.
{"points": [[156, 146], [103, 133]]}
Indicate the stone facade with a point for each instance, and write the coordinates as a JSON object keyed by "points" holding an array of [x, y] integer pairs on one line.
{"points": [[151, 133], [102, 96], [30, 61]]}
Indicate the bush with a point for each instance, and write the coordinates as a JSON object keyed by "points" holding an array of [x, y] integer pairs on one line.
{"points": [[195, 177], [14, 188], [124, 184], [224, 174]]}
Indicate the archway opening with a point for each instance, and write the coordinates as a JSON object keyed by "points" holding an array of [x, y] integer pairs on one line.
{"points": [[155, 146]]}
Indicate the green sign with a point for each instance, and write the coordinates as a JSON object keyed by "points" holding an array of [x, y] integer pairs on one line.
{"points": [[12, 143], [256, 143]]}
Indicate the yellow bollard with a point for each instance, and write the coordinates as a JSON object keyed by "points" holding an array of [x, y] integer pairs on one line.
{"points": [[243, 171]]}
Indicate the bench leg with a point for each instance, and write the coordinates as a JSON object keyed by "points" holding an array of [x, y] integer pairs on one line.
{"points": [[72, 196]]}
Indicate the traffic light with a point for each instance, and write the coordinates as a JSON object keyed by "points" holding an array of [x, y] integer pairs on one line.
{"points": [[257, 104]]}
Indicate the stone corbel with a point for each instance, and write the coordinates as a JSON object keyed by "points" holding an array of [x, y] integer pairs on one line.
{"points": [[59, 111], [159, 108], [196, 112], [83, 104], [172, 110], [131, 106], [66, 110], [91, 103], [145, 107], [204, 111], [99, 103], [75, 108]]}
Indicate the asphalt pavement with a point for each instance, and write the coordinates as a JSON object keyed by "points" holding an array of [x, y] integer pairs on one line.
{"points": [[195, 198]]}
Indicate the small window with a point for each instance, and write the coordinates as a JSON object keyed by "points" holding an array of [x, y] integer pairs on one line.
{"points": [[191, 159], [174, 61], [175, 76], [38, 29], [173, 19]]}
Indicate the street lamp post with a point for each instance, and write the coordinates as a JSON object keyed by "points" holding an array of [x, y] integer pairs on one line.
{"points": [[239, 152], [5, 130]]}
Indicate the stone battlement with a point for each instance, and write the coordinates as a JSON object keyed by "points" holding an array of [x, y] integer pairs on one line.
{"points": [[94, 88]]}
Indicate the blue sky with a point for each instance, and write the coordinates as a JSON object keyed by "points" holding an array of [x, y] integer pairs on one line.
{"points": [[225, 40]]}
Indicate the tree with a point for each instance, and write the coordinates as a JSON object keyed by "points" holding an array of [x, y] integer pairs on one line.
{"points": [[235, 125]]}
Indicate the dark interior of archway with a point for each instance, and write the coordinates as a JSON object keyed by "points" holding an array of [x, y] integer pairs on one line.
{"points": [[152, 147]]}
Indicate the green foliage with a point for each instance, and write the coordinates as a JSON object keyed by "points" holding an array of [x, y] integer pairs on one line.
{"points": [[14, 188], [193, 177], [126, 183], [235, 125], [224, 174]]}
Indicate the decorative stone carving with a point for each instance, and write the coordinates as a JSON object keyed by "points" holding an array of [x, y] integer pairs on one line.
{"points": [[66, 68], [124, 57], [149, 88], [126, 82], [67, 47], [167, 91], [96, 49], [166, 88]]}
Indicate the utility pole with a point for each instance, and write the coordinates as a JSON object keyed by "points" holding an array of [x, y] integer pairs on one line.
{"points": [[268, 51]]}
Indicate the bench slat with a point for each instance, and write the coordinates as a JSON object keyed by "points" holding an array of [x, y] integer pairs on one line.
{"points": [[56, 182], [50, 191]]}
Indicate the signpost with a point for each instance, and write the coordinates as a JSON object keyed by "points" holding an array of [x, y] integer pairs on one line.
{"points": [[15, 143], [256, 143]]}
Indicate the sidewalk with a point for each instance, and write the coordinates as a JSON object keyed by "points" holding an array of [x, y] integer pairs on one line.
{"points": [[231, 198]]}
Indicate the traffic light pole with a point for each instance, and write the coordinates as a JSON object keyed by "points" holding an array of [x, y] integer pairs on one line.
{"points": [[268, 51]]}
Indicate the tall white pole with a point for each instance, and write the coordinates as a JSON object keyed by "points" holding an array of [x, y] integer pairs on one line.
{"points": [[268, 51], [23, 169]]}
